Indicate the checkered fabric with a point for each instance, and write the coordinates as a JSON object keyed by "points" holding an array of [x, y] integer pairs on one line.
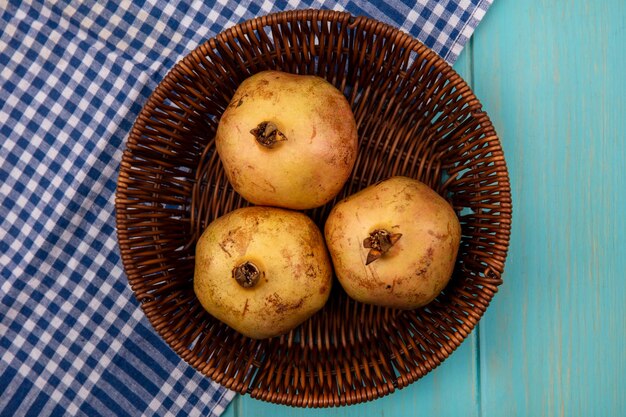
{"points": [[73, 77]]}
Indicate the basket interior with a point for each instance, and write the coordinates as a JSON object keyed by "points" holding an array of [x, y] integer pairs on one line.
{"points": [[415, 116]]}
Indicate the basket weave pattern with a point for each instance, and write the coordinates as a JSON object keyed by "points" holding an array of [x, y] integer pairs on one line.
{"points": [[415, 116]]}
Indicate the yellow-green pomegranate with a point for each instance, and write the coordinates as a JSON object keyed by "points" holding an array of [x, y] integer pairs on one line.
{"points": [[393, 244], [287, 140], [262, 270]]}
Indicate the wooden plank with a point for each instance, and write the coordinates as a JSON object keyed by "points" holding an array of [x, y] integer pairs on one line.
{"points": [[449, 390], [552, 77]]}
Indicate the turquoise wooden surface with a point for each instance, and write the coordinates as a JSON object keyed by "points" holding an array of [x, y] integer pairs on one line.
{"points": [[552, 76]]}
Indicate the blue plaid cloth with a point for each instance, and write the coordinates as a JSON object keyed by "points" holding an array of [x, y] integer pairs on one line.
{"points": [[73, 77]]}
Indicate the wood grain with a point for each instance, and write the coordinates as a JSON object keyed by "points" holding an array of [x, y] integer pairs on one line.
{"points": [[551, 75]]}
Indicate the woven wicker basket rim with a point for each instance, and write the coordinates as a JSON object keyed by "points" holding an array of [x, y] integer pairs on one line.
{"points": [[489, 283]]}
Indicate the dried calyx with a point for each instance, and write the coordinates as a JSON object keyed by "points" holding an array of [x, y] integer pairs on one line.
{"points": [[246, 274], [267, 134], [379, 242]]}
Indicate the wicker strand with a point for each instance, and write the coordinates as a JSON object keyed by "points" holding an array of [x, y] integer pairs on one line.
{"points": [[415, 116]]}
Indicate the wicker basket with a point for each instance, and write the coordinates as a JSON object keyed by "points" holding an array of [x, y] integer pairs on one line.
{"points": [[415, 116]]}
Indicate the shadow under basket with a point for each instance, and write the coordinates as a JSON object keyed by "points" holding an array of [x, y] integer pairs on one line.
{"points": [[416, 117]]}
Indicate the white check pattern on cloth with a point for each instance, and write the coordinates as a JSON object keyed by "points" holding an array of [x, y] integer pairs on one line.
{"points": [[73, 77]]}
